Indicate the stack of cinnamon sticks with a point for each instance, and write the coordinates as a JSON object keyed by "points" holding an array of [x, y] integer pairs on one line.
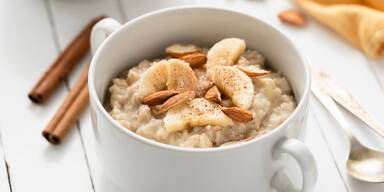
{"points": [[69, 111], [78, 97]]}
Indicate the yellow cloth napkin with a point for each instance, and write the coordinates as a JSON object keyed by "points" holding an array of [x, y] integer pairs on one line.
{"points": [[360, 21]]}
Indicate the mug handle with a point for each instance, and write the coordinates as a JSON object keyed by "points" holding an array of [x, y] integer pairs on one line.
{"points": [[300, 152], [101, 31]]}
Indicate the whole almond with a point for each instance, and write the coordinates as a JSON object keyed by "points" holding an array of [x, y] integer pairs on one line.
{"points": [[240, 115], [292, 17], [195, 60], [252, 72], [159, 97], [178, 50], [177, 99], [213, 94]]}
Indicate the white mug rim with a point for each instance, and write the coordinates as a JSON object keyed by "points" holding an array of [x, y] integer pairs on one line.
{"points": [[98, 104]]}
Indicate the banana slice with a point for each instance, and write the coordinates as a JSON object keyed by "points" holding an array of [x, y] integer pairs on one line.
{"points": [[235, 84], [225, 53], [198, 112], [153, 79], [181, 76]]}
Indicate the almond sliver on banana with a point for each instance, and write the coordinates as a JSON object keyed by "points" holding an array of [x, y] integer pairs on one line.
{"points": [[252, 71]]}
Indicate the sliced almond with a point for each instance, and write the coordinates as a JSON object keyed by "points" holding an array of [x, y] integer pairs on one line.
{"points": [[240, 115], [213, 94], [252, 72], [195, 60], [177, 99], [178, 50], [292, 17], [159, 97]]}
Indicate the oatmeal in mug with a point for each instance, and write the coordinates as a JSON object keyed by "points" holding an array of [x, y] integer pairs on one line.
{"points": [[199, 97]]}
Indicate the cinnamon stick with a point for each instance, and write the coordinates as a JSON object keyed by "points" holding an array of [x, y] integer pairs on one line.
{"points": [[70, 116], [73, 93], [63, 64]]}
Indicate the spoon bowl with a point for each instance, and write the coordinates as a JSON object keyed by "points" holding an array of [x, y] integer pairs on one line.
{"points": [[366, 164]]}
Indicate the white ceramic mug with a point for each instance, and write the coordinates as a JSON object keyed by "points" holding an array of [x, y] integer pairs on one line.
{"points": [[139, 164]]}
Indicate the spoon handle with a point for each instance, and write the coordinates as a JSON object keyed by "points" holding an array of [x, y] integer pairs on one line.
{"points": [[319, 91], [345, 99]]}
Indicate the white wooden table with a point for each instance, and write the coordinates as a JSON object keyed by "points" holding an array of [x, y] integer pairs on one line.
{"points": [[32, 33]]}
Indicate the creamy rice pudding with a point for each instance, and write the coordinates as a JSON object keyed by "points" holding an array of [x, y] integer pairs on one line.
{"points": [[199, 97]]}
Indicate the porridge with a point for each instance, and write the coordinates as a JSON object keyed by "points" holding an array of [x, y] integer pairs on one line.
{"points": [[199, 97]]}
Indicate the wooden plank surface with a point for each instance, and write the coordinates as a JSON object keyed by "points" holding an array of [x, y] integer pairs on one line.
{"points": [[377, 67], [132, 9], [328, 175], [67, 28], [27, 49], [4, 182]]}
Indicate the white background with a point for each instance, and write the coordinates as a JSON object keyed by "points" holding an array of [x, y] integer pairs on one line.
{"points": [[33, 32]]}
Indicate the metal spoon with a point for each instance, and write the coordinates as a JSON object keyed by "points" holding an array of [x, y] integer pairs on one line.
{"points": [[363, 163]]}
